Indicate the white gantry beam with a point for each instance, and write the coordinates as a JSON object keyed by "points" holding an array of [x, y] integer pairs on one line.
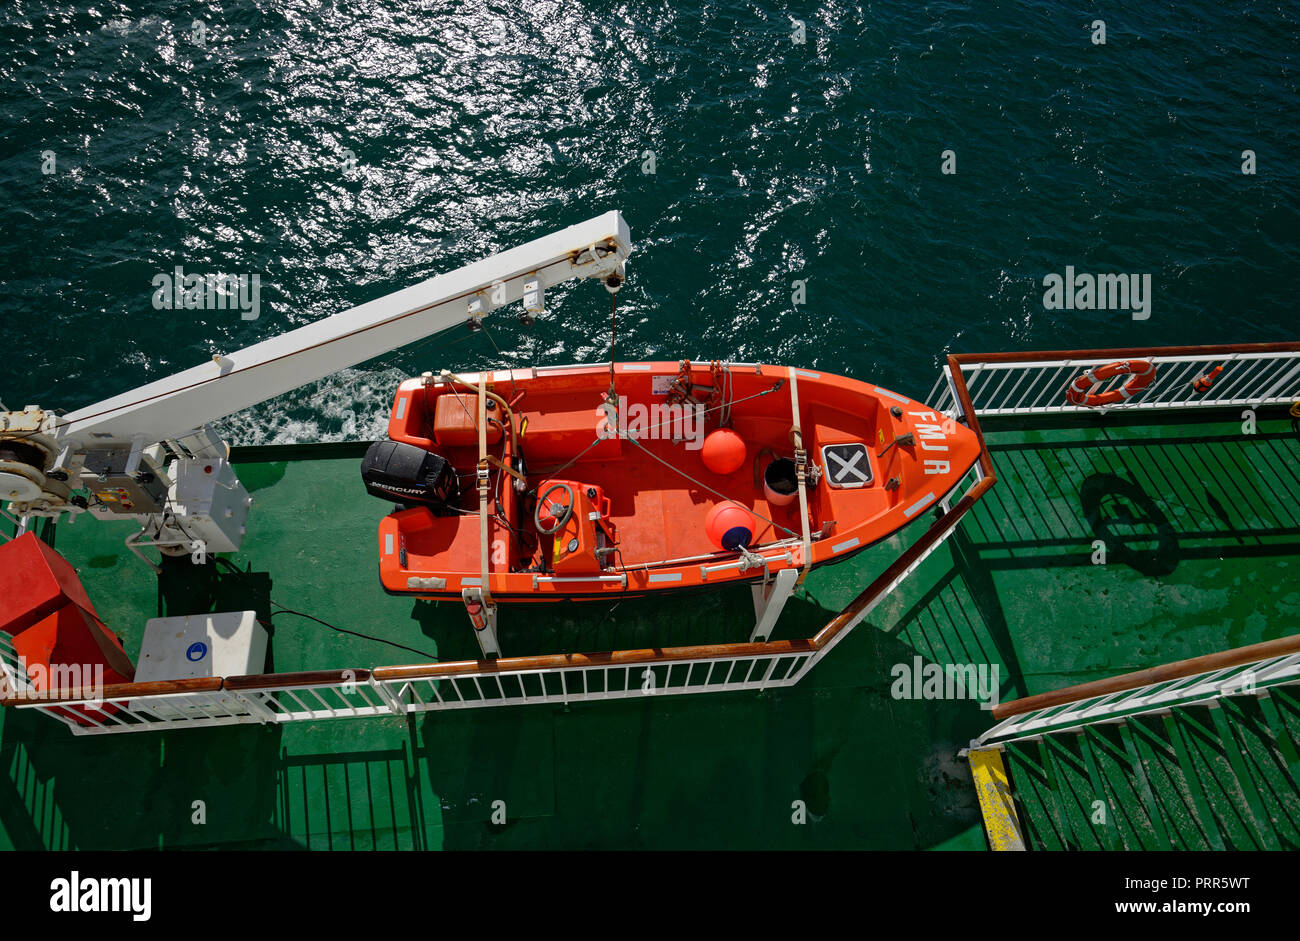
{"points": [[180, 404]]}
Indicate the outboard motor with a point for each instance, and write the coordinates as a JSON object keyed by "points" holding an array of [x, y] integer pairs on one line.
{"points": [[403, 473]]}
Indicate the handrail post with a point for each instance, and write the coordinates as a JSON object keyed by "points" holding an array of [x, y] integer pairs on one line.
{"points": [[388, 696], [255, 707]]}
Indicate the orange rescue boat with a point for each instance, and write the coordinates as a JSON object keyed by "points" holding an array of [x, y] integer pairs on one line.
{"points": [[582, 482]]}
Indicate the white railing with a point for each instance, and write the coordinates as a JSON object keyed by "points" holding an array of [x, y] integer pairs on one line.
{"points": [[13, 673], [595, 683], [407, 690], [564, 679], [1002, 384], [401, 691], [1031, 385], [1240, 680]]}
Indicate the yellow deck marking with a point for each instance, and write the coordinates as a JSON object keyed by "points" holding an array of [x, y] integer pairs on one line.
{"points": [[994, 793]]}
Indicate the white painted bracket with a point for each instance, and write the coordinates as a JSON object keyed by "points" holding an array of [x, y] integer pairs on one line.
{"points": [[769, 600], [484, 619]]}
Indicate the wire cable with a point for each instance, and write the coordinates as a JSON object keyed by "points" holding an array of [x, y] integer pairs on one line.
{"points": [[613, 336], [343, 630], [311, 617], [699, 483]]}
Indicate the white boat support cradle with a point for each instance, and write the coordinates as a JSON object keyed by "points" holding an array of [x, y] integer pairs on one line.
{"points": [[769, 600], [150, 455], [481, 604], [801, 473]]}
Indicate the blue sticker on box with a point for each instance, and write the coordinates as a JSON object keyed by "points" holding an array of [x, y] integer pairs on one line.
{"points": [[196, 652]]}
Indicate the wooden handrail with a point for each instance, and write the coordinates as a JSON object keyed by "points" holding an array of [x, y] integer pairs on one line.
{"points": [[119, 691], [932, 535], [1161, 674], [609, 658], [937, 530], [972, 420], [255, 681], [824, 637]]}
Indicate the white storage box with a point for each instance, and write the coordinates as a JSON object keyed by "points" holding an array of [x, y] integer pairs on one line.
{"points": [[229, 643]]}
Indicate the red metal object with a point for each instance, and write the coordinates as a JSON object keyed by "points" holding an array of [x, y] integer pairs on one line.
{"points": [[35, 581], [55, 629], [64, 659]]}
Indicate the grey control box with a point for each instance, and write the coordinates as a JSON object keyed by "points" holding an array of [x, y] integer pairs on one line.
{"points": [[105, 476]]}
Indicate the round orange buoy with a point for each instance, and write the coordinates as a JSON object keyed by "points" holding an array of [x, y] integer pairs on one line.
{"points": [[1203, 384], [730, 526], [1079, 392], [723, 451]]}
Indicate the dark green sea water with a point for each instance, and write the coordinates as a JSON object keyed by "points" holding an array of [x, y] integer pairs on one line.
{"points": [[774, 160]]}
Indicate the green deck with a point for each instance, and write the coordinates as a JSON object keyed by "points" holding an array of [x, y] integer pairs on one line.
{"points": [[1203, 524]]}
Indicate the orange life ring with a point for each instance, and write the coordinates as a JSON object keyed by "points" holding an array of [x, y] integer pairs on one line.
{"points": [[1079, 392]]}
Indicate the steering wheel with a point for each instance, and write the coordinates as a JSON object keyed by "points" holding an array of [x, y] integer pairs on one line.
{"points": [[560, 513]]}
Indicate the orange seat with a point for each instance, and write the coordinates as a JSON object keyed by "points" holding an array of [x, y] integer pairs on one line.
{"points": [[559, 435], [455, 421]]}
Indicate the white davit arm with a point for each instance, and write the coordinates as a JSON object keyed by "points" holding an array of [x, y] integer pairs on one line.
{"points": [[117, 450], [181, 404]]}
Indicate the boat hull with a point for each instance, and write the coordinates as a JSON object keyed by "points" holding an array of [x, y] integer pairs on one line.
{"points": [[881, 461]]}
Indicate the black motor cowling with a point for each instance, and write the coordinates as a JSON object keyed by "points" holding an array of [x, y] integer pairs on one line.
{"points": [[403, 473]]}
